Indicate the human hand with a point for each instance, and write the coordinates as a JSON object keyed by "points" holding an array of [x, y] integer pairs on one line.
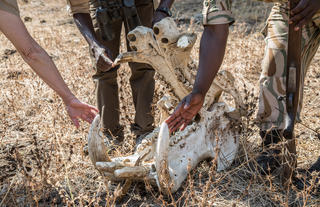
{"points": [[103, 57], [76, 109], [303, 13], [158, 16], [185, 111]]}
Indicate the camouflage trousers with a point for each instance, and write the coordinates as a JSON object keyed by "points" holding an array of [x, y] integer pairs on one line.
{"points": [[272, 106]]}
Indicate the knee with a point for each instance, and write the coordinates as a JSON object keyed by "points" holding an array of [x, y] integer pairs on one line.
{"points": [[273, 63]]}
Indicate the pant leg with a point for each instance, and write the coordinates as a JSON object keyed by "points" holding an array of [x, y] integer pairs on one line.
{"points": [[272, 108], [142, 78], [106, 82]]}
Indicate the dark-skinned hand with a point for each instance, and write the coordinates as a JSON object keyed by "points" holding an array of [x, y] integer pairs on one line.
{"points": [[158, 16], [185, 112], [303, 13], [103, 57]]}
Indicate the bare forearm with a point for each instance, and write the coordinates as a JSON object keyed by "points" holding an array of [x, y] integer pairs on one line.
{"points": [[41, 63], [212, 49], [33, 54], [84, 24], [101, 53], [166, 3]]}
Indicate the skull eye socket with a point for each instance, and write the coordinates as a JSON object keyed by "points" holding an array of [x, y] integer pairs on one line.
{"points": [[156, 30], [134, 48], [164, 40], [197, 118], [132, 37]]}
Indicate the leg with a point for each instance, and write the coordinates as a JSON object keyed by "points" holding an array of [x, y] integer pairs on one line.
{"points": [[272, 80], [107, 87], [272, 108], [142, 81]]}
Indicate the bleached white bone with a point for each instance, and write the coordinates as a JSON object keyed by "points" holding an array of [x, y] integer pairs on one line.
{"points": [[162, 158], [194, 144]]}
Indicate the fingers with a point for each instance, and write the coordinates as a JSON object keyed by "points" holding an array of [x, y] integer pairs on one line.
{"points": [[184, 113], [106, 59], [75, 122], [304, 21], [181, 116], [93, 109], [104, 66], [300, 17], [184, 125], [87, 116], [104, 63], [177, 112], [301, 6], [175, 124], [180, 125]]}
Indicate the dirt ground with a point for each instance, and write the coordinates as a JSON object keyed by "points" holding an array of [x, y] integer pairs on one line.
{"points": [[41, 157]]}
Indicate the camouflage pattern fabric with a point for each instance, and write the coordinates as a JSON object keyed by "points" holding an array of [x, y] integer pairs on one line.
{"points": [[272, 108], [217, 12]]}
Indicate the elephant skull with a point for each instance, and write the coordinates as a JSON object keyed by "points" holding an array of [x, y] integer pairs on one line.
{"points": [[164, 159]]}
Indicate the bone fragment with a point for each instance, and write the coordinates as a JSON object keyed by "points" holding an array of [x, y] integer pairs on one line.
{"points": [[97, 149], [108, 166], [135, 172]]}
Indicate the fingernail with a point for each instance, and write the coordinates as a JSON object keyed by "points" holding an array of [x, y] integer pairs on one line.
{"points": [[290, 22]]}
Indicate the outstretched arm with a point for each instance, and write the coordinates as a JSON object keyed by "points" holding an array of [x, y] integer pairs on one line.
{"points": [[102, 54], [14, 29], [158, 15], [212, 49]]}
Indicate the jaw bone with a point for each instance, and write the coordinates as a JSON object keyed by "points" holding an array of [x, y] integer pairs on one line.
{"points": [[161, 158], [177, 155]]}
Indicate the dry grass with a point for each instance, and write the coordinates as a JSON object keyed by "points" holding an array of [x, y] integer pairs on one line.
{"points": [[41, 160]]}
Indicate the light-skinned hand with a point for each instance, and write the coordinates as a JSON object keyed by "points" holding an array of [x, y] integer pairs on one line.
{"points": [[79, 110]]}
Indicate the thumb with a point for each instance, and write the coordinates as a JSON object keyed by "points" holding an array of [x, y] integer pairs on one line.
{"points": [[187, 103]]}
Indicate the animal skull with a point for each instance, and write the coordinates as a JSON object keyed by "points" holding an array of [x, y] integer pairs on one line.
{"points": [[161, 158]]}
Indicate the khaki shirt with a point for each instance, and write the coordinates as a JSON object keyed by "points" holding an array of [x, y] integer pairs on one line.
{"points": [[219, 12], [10, 6], [83, 6], [78, 6]]}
